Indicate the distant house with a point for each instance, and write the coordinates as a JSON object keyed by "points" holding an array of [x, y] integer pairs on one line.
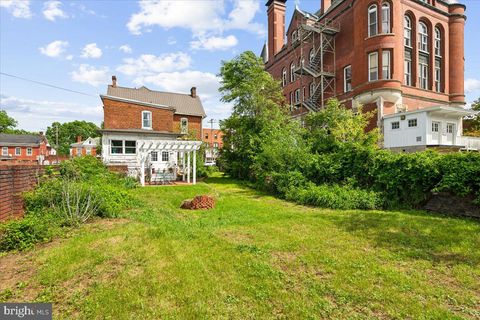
{"points": [[213, 138], [146, 131], [24, 147], [84, 148]]}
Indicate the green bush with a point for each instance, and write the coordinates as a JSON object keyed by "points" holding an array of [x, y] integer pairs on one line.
{"points": [[24, 233], [335, 197]]}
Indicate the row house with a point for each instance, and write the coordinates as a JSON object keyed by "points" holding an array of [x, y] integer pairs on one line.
{"points": [[392, 57], [213, 139], [25, 147], [87, 147], [154, 134]]}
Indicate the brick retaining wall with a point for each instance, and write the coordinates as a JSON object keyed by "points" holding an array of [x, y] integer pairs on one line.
{"points": [[14, 180]]}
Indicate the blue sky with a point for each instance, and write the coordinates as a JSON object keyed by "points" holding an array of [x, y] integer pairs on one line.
{"points": [[164, 45]]}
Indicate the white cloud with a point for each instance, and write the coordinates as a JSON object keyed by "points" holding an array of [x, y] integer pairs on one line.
{"points": [[214, 43], [472, 85], [205, 19], [148, 64], [91, 51], [54, 49], [125, 48], [17, 8], [91, 75], [52, 10], [38, 114], [171, 40]]}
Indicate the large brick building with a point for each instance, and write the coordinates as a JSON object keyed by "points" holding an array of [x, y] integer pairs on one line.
{"points": [[24, 147], [392, 57]]}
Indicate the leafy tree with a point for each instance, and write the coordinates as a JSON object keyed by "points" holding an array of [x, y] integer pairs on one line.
{"points": [[258, 107], [68, 132], [336, 126], [473, 124], [6, 122]]}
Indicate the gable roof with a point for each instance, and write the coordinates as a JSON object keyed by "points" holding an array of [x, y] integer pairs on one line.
{"points": [[182, 103], [95, 142], [27, 140]]}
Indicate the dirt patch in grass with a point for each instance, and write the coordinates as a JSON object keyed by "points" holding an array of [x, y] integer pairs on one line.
{"points": [[236, 236]]}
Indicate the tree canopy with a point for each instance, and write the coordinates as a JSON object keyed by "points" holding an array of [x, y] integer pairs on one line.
{"points": [[6, 122], [68, 132]]}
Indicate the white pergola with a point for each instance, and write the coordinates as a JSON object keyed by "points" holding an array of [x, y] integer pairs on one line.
{"points": [[183, 147]]}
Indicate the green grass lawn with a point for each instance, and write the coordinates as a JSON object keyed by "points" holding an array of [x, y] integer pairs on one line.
{"points": [[251, 257]]}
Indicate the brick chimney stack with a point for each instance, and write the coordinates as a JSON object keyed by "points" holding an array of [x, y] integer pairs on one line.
{"points": [[276, 26], [114, 81], [325, 5], [79, 139], [193, 92]]}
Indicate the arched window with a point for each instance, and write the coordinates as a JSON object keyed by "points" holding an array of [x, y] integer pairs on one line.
{"points": [[312, 89], [284, 77], [407, 30], [372, 20], [438, 42], [292, 72], [423, 37], [386, 17], [311, 56]]}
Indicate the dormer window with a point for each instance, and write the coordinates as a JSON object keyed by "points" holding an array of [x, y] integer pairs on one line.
{"points": [[146, 120]]}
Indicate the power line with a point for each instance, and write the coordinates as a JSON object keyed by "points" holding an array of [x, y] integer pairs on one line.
{"points": [[48, 85]]}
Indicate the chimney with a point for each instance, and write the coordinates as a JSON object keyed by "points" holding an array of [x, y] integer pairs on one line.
{"points": [[193, 92], [276, 26], [325, 5], [79, 139], [114, 81]]}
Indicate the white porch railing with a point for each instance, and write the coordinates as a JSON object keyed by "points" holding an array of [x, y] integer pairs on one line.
{"points": [[470, 143]]}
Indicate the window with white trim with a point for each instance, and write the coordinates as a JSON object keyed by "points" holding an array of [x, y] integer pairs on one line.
{"points": [[304, 93], [154, 156], [4, 151], [438, 42], [18, 151], [450, 127], [386, 18], [88, 151], [184, 125], [407, 31], [294, 36], [311, 56], [146, 120], [347, 79], [312, 89], [395, 125], [407, 67], [372, 20], [412, 123], [386, 69], [435, 126], [423, 71], [423, 37], [29, 151], [438, 75], [373, 66], [297, 96], [292, 72], [123, 147], [165, 156], [284, 77], [79, 152]]}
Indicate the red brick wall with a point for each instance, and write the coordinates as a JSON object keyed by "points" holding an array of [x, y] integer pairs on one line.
{"points": [[194, 124], [209, 137], [14, 180], [36, 151], [122, 115], [84, 152]]}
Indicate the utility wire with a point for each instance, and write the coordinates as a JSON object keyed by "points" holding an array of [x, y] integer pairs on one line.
{"points": [[48, 85]]}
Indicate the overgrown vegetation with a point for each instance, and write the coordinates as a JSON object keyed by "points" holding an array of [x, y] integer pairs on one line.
{"points": [[82, 188], [331, 161]]}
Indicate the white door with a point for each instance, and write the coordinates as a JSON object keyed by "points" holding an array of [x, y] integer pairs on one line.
{"points": [[436, 127], [450, 133]]}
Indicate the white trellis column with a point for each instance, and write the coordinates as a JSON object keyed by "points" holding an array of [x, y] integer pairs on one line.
{"points": [[142, 172], [194, 166], [188, 167], [183, 165]]}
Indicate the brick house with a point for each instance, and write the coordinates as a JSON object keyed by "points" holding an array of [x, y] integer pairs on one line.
{"points": [[24, 147], [83, 148], [147, 131], [213, 138], [389, 56]]}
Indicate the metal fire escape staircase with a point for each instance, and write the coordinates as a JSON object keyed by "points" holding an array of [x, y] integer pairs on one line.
{"points": [[322, 72]]}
